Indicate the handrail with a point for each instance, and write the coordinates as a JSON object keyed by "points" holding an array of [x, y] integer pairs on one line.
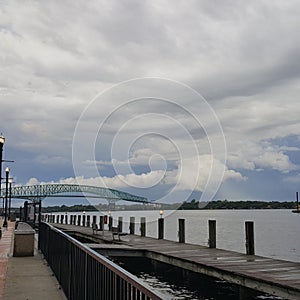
{"points": [[116, 277]]}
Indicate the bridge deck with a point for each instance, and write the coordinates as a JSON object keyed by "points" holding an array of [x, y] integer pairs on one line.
{"points": [[276, 277]]}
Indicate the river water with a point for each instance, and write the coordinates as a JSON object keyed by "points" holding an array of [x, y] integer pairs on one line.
{"points": [[277, 232]]}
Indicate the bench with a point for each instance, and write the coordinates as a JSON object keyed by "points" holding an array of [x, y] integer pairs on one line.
{"points": [[95, 228], [115, 232]]}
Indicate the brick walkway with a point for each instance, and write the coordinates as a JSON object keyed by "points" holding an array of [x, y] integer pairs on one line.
{"points": [[5, 251]]}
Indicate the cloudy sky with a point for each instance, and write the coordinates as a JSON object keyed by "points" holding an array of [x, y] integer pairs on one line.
{"points": [[142, 96]]}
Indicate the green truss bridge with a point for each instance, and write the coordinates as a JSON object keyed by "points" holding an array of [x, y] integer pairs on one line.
{"points": [[38, 192]]}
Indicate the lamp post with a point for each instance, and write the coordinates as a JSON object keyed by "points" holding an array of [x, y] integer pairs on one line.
{"points": [[10, 180], [2, 141], [161, 225], [6, 197]]}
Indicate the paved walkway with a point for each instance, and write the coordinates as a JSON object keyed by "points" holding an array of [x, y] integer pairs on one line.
{"points": [[25, 278], [5, 251]]}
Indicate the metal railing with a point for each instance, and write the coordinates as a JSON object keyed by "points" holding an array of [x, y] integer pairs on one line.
{"points": [[84, 274]]}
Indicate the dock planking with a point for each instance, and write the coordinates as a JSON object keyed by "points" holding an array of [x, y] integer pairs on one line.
{"points": [[273, 276]]}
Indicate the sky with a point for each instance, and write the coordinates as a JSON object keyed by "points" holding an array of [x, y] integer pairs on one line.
{"points": [[170, 100]]}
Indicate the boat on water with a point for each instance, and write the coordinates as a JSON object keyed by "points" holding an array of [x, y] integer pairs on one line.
{"points": [[297, 210]]}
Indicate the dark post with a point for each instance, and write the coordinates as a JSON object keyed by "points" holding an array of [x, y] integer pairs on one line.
{"points": [[74, 220], [79, 220], [94, 219], [88, 221], [212, 234], [131, 225], [101, 223], [57, 219], [160, 228], [120, 224], [143, 226], [40, 221], [34, 214], [9, 206], [66, 218], [181, 232], [25, 211], [40, 213], [62, 219], [21, 214], [2, 141], [249, 227], [110, 223], [297, 201], [83, 220], [6, 198]]}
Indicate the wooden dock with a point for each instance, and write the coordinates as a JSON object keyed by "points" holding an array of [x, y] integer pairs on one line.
{"points": [[276, 277]]}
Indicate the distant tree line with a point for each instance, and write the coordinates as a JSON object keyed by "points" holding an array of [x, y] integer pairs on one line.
{"points": [[192, 205], [64, 208], [225, 204]]}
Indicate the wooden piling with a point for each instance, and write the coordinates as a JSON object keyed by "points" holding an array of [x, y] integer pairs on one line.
{"points": [[212, 234], [249, 229], [143, 226], [160, 228], [79, 220], [120, 224], [110, 223], [131, 225], [88, 221], [83, 220], [181, 232], [101, 223]]}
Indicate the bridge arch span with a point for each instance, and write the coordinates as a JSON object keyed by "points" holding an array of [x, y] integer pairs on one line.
{"points": [[41, 191]]}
